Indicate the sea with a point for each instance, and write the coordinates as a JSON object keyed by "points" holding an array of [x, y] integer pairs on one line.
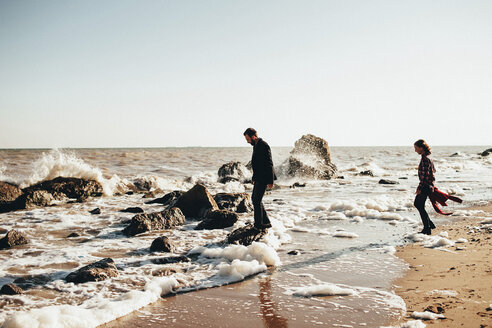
{"points": [[330, 251]]}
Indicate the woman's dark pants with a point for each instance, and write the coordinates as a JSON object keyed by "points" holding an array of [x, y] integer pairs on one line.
{"points": [[419, 203], [261, 218]]}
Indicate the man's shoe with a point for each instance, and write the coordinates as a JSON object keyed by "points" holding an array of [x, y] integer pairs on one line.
{"points": [[426, 231], [266, 225]]}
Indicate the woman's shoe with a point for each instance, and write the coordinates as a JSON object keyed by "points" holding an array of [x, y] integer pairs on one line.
{"points": [[431, 224], [426, 231]]}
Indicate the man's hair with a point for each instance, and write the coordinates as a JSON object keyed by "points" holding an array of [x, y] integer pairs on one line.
{"points": [[422, 144], [250, 132]]}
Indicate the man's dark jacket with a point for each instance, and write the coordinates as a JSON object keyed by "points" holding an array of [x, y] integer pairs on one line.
{"points": [[262, 163]]}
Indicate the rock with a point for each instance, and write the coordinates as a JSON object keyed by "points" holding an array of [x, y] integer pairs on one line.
{"points": [[171, 259], [70, 187], [403, 178], [384, 181], [95, 211], [298, 185], [196, 202], [486, 152], [129, 193], [8, 192], [142, 184], [13, 238], [30, 281], [11, 289], [310, 159], [245, 235], [455, 155], [294, 252], [166, 272], [166, 219], [234, 171], [168, 199], [162, 244], [218, 219], [235, 202], [132, 210], [436, 308], [153, 193], [367, 173], [37, 198], [97, 271], [73, 235]]}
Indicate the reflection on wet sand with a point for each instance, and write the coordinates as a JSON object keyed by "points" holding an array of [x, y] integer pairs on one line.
{"points": [[268, 308]]}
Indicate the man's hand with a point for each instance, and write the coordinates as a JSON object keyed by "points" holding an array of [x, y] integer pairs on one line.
{"points": [[270, 186]]}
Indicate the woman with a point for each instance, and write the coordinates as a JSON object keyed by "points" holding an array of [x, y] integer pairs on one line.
{"points": [[426, 185]]}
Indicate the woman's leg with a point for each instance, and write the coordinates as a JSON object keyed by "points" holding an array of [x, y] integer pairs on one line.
{"points": [[419, 203]]}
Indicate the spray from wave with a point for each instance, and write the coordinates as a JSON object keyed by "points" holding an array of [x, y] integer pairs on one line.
{"points": [[56, 163]]}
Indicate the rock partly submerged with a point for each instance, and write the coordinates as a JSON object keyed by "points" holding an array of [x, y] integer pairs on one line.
{"points": [[245, 235], [169, 218], [97, 271], [13, 238], [218, 219], [310, 159], [234, 171], [8, 192], [162, 244], [235, 202], [196, 202]]}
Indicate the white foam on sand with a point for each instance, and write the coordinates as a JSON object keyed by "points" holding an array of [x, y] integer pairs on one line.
{"points": [[443, 292], [409, 324], [345, 234], [237, 270], [80, 316], [427, 315], [326, 289], [260, 252]]}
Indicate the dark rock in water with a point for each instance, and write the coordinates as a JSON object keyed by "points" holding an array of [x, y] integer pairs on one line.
{"points": [[2, 230], [8, 192], [132, 210], [95, 211], [129, 193], [30, 199], [294, 252], [153, 193], [171, 259], [73, 235], [196, 202], [11, 289], [166, 219], [218, 219], [310, 159], [233, 171], [385, 181], [168, 199], [162, 244], [298, 185], [13, 238], [455, 155], [100, 270], [236, 202], [71, 187], [142, 184], [166, 272], [245, 235], [367, 173], [30, 281], [403, 178], [340, 177], [486, 152]]}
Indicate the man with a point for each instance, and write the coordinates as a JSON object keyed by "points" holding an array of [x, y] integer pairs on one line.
{"points": [[263, 176]]}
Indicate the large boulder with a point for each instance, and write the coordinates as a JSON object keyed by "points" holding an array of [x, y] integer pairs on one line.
{"points": [[218, 219], [245, 235], [196, 202], [28, 200], [13, 238], [234, 171], [166, 219], [69, 187], [236, 202], [97, 271], [310, 159], [162, 244], [168, 199], [8, 192], [11, 289]]}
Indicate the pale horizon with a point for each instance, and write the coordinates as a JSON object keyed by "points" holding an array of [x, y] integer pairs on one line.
{"points": [[159, 74]]}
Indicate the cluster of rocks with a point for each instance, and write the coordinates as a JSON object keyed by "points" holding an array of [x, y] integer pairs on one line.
{"points": [[44, 193], [234, 171]]}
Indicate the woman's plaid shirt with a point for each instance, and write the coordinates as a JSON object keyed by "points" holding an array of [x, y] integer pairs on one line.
{"points": [[426, 172]]}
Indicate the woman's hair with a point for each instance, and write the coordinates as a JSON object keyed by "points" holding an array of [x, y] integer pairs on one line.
{"points": [[422, 144]]}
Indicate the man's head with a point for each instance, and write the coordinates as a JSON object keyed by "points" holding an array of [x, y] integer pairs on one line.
{"points": [[251, 136]]}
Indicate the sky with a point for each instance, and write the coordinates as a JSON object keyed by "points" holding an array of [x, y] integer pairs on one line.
{"points": [[119, 73]]}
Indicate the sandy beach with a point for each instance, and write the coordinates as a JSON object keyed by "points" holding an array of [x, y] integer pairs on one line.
{"points": [[454, 281]]}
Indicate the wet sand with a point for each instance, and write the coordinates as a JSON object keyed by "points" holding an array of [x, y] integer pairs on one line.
{"points": [[464, 269]]}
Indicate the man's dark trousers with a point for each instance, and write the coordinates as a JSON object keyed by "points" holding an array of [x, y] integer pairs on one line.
{"points": [[261, 218]]}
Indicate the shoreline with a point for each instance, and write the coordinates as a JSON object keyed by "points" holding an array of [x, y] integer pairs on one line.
{"points": [[455, 281]]}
